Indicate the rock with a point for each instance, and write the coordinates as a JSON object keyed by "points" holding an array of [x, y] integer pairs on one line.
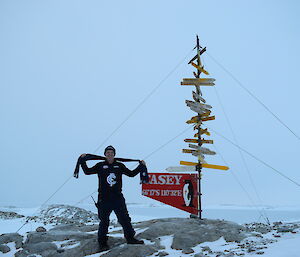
{"points": [[284, 229], [10, 215], [12, 237], [40, 229], [200, 255], [229, 255], [206, 249], [66, 214], [22, 253], [251, 249], [162, 253], [56, 235], [131, 251], [259, 227], [43, 248], [88, 247], [188, 251], [74, 227], [193, 232], [4, 248]]}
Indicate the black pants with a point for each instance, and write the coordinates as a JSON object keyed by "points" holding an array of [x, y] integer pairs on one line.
{"points": [[116, 204]]}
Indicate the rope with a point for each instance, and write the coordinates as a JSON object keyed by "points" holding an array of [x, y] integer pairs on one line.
{"points": [[251, 94], [143, 101], [240, 152], [27, 219], [256, 158], [261, 212]]}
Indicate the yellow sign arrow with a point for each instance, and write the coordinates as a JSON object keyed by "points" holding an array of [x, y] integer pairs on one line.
{"points": [[200, 68], [205, 165], [208, 118]]}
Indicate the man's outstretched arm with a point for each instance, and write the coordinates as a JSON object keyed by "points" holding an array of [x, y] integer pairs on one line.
{"points": [[133, 173], [85, 168]]}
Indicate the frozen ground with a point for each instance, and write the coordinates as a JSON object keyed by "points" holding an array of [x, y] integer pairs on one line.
{"points": [[284, 245]]}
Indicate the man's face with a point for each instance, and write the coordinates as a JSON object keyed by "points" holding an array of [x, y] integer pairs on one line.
{"points": [[109, 154]]}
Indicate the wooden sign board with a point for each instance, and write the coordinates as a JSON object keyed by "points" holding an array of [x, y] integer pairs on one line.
{"points": [[205, 141], [199, 80], [181, 168], [198, 98], [201, 69], [200, 111], [187, 83], [203, 131], [202, 150], [205, 165], [208, 118], [188, 140], [198, 105], [196, 141], [195, 57]]}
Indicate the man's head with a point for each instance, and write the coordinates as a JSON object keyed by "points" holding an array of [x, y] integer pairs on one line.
{"points": [[110, 153]]}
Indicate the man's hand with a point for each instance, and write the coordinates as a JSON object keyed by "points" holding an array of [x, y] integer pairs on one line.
{"points": [[143, 162], [83, 155]]}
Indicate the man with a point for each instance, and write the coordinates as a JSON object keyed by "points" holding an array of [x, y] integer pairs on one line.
{"points": [[110, 197]]}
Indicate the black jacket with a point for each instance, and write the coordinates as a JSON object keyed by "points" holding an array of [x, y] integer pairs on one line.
{"points": [[110, 176]]}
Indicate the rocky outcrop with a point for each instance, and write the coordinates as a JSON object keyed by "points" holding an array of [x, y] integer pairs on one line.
{"points": [[65, 214], [11, 237], [76, 236], [70, 240], [10, 215], [191, 232]]}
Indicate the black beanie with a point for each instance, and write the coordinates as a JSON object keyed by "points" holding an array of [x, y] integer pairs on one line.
{"points": [[110, 147]]}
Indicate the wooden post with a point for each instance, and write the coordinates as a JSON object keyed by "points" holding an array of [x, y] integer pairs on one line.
{"points": [[199, 166]]}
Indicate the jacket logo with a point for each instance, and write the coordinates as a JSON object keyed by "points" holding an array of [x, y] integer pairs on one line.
{"points": [[111, 179], [105, 167]]}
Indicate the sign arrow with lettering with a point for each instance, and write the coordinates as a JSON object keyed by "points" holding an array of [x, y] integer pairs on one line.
{"points": [[202, 150], [205, 165]]}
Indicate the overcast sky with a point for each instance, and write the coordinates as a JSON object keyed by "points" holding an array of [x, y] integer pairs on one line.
{"points": [[72, 71]]}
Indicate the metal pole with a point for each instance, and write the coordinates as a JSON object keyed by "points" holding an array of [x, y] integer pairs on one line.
{"points": [[199, 166]]}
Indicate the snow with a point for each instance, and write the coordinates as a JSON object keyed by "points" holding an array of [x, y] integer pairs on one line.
{"points": [[287, 245]]}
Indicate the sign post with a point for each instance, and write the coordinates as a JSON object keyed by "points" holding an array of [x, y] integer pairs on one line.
{"points": [[183, 191], [203, 111]]}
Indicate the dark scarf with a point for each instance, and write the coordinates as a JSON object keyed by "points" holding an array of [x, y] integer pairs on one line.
{"points": [[144, 178]]}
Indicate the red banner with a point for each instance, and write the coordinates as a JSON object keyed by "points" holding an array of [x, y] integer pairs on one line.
{"points": [[177, 190]]}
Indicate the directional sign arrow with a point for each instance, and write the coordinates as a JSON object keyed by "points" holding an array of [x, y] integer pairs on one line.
{"points": [[205, 165], [208, 118], [196, 141], [198, 105], [198, 82], [188, 140], [200, 68], [203, 131], [202, 150], [198, 98], [201, 111], [181, 168]]}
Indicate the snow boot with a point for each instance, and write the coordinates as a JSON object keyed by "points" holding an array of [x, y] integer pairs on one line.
{"points": [[134, 241], [103, 246]]}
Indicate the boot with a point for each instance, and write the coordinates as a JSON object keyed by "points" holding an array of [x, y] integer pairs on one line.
{"points": [[134, 241], [103, 246]]}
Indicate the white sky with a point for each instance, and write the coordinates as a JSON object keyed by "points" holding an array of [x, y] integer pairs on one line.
{"points": [[72, 71]]}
